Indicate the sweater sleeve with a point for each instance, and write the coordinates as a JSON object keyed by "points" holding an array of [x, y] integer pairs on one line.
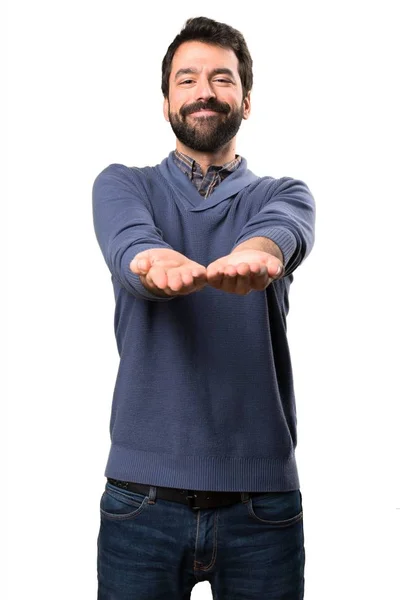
{"points": [[124, 226], [287, 217]]}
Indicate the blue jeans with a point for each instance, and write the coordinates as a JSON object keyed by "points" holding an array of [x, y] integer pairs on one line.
{"points": [[155, 549]]}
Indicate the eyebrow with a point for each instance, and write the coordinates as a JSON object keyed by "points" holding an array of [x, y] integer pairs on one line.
{"points": [[192, 70]]}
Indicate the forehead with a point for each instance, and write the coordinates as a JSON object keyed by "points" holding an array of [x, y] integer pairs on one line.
{"points": [[204, 56]]}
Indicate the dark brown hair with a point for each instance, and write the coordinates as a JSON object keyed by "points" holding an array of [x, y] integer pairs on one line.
{"points": [[205, 30]]}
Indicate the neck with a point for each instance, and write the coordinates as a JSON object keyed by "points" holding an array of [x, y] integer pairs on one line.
{"points": [[206, 159]]}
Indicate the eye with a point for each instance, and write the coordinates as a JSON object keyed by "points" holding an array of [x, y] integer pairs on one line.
{"points": [[186, 81]]}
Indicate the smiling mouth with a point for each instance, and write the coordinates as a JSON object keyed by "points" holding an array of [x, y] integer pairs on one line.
{"points": [[204, 113]]}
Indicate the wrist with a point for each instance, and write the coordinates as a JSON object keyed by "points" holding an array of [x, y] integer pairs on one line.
{"points": [[261, 244]]}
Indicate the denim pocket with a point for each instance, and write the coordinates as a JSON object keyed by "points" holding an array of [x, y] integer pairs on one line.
{"points": [[276, 509], [120, 504]]}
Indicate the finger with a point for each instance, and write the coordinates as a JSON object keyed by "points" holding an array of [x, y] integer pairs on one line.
{"points": [[200, 282], [157, 276], [187, 277], [140, 265], [275, 269], [243, 285], [257, 267], [216, 280], [182, 280], [213, 270], [213, 273], [196, 275], [188, 289], [148, 282], [260, 281], [175, 280], [250, 276], [243, 269], [144, 265], [230, 270], [199, 274], [229, 282]]}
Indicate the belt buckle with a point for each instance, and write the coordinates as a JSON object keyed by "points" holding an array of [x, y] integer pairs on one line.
{"points": [[191, 500]]}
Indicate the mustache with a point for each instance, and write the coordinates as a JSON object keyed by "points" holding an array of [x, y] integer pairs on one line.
{"points": [[221, 107]]}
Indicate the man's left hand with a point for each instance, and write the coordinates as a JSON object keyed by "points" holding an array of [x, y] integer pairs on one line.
{"points": [[244, 271]]}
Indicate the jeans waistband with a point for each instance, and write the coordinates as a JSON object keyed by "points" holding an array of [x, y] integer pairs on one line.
{"points": [[194, 498]]}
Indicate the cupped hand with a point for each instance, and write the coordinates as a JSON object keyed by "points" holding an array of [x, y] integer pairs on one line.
{"points": [[244, 271], [165, 272]]}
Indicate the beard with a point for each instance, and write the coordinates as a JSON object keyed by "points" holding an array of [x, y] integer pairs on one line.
{"points": [[208, 133]]}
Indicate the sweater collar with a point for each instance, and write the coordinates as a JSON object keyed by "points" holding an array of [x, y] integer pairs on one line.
{"points": [[207, 183], [230, 186]]}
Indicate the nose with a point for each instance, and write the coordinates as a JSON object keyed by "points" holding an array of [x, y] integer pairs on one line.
{"points": [[204, 90]]}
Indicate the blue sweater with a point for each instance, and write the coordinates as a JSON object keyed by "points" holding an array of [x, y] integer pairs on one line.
{"points": [[204, 394]]}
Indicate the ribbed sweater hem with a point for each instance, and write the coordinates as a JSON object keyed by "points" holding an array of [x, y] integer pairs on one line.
{"points": [[212, 473]]}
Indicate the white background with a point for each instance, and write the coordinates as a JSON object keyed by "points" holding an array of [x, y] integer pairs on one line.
{"points": [[84, 92]]}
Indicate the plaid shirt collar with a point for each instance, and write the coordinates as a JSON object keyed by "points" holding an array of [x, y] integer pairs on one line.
{"points": [[205, 184]]}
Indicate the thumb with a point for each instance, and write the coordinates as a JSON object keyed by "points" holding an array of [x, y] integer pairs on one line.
{"points": [[141, 263]]}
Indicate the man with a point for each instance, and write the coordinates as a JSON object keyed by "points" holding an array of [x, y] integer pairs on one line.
{"points": [[202, 482]]}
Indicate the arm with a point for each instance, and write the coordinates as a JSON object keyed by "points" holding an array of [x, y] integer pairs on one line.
{"points": [[287, 220], [252, 265], [124, 226], [272, 243], [125, 229], [126, 233], [261, 244]]}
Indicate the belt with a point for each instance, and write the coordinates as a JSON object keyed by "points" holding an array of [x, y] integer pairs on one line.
{"points": [[194, 498]]}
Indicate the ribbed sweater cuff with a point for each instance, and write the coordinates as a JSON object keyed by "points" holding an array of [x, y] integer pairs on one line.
{"points": [[281, 236]]}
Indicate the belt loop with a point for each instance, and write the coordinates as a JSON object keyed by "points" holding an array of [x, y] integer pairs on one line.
{"points": [[152, 494], [245, 496]]}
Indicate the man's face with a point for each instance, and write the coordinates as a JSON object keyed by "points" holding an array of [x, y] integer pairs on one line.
{"points": [[205, 106]]}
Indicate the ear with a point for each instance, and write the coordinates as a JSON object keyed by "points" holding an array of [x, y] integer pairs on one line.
{"points": [[246, 106], [165, 109]]}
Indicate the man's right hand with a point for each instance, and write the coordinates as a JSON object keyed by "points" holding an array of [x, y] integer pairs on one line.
{"points": [[167, 273]]}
